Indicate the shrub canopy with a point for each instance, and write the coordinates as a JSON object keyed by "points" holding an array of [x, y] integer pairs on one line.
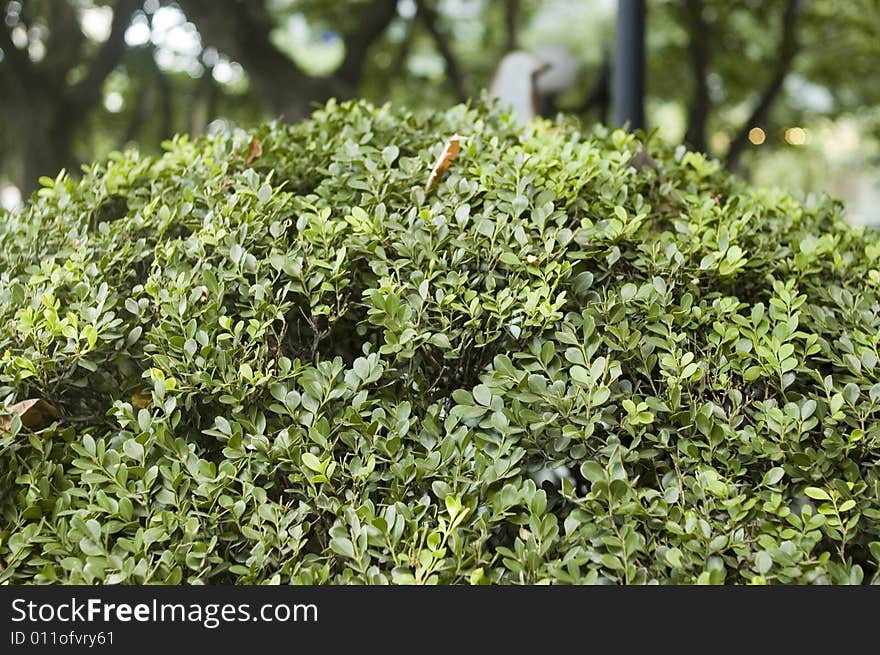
{"points": [[275, 358]]}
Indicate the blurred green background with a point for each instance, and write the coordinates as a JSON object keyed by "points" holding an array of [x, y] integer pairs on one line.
{"points": [[786, 92]]}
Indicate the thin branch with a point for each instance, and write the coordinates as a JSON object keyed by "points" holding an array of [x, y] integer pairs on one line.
{"points": [[204, 103], [66, 41], [701, 103], [375, 19], [166, 105], [154, 97], [87, 92], [401, 58], [788, 47], [441, 42], [600, 93], [141, 113]]}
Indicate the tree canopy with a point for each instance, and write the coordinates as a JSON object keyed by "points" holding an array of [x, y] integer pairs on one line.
{"points": [[83, 77]]}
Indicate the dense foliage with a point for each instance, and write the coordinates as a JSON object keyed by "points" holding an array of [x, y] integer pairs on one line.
{"points": [[275, 358]]}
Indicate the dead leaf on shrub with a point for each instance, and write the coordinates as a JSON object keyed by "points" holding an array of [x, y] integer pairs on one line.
{"points": [[35, 413], [450, 152], [141, 398], [255, 150]]}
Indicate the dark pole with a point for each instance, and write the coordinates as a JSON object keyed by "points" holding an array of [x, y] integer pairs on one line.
{"points": [[628, 77]]}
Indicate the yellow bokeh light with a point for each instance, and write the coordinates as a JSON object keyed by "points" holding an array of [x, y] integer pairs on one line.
{"points": [[796, 136], [757, 136]]}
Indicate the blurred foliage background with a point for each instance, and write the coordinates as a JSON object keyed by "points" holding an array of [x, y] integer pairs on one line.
{"points": [[786, 92]]}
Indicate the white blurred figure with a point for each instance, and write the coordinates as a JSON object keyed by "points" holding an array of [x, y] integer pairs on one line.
{"points": [[514, 84], [561, 72], [526, 83]]}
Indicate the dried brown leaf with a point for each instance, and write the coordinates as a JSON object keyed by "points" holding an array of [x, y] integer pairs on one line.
{"points": [[35, 413], [450, 152], [255, 151], [141, 398]]}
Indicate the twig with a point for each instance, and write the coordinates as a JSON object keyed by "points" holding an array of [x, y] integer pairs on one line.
{"points": [[431, 22], [788, 47]]}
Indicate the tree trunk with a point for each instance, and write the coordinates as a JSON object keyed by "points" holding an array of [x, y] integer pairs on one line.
{"points": [[511, 25], [44, 138], [701, 104], [42, 111], [285, 89]]}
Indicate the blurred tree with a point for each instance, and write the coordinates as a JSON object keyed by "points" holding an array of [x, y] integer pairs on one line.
{"points": [[746, 64], [79, 78], [244, 30], [50, 89]]}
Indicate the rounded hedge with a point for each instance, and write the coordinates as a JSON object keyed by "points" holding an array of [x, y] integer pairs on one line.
{"points": [[275, 359]]}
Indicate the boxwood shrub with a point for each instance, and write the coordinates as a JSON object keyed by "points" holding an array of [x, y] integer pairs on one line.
{"points": [[272, 357]]}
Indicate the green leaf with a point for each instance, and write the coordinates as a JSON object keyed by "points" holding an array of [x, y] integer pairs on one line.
{"points": [[144, 419], [593, 471], [483, 395], [389, 154], [264, 194], [133, 449], [774, 475], [453, 505], [580, 375], [342, 546], [673, 558], [816, 493], [440, 340], [846, 505], [312, 462], [222, 425]]}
